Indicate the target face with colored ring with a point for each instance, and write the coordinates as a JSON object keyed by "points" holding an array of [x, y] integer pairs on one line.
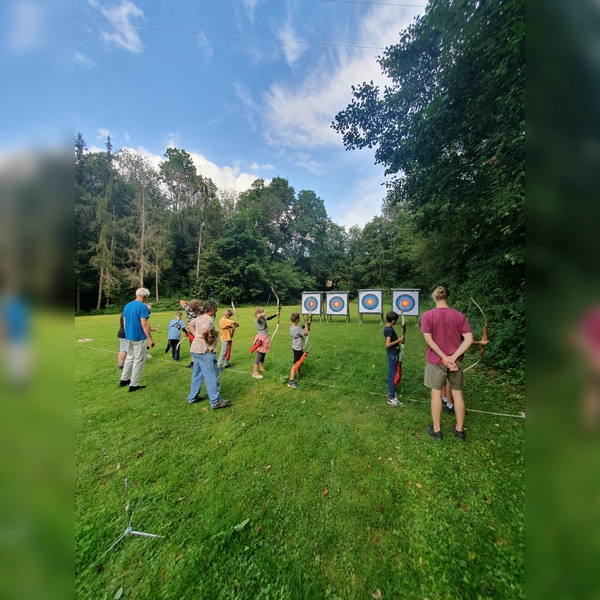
{"points": [[370, 302], [311, 304], [406, 303], [337, 304]]}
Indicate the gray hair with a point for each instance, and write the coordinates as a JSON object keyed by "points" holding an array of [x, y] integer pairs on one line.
{"points": [[209, 305], [143, 292]]}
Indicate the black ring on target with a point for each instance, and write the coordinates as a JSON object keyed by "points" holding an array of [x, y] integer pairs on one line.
{"points": [[405, 303], [370, 301], [337, 304], [311, 304]]}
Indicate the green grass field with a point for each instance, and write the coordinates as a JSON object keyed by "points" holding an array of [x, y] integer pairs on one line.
{"points": [[321, 492]]}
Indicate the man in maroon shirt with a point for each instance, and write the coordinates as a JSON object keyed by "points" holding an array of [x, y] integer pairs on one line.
{"points": [[448, 335]]}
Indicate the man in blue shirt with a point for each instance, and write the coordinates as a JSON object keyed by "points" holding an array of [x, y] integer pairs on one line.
{"points": [[138, 334]]}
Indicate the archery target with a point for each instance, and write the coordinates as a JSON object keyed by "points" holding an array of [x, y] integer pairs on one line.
{"points": [[370, 302], [337, 303], [406, 301], [311, 303]]}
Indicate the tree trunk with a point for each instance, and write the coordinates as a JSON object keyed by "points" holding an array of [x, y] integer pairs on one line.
{"points": [[78, 297], [199, 249], [142, 238], [100, 288], [156, 276]]}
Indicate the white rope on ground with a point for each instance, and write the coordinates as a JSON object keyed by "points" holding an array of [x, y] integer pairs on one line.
{"points": [[152, 358], [483, 412]]}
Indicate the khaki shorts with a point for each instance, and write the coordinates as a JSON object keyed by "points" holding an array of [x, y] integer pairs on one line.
{"points": [[436, 376]]}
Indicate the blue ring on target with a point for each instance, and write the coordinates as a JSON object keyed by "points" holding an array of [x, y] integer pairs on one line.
{"points": [[405, 303], [311, 304], [337, 304], [370, 301]]}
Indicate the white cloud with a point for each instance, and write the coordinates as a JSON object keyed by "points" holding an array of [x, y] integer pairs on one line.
{"points": [[224, 177], [299, 115], [250, 5], [84, 61], [173, 140], [125, 34], [291, 50], [154, 159], [363, 203], [257, 167], [102, 134], [205, 44]]}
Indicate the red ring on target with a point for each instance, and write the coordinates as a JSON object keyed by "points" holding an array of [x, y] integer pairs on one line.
{"points": [[337, 304], [370, 301], [405, 303], [311, 304]]}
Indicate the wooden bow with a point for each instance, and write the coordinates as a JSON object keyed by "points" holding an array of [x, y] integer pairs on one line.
{"points": [[484, 336], [278, 313], [400, 356]]}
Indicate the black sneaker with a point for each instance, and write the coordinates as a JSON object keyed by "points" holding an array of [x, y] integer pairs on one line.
{"points": [[436, 435], [190, 365], [197, 398], [448, 409], [222, 403], [135, 388], [459, 435], [124, 382]]}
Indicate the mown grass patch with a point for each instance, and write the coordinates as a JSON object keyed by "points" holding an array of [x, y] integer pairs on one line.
{"points": [[334, 493]]}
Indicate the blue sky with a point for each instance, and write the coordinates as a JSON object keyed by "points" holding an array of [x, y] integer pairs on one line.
{"points": [[243, 107]]}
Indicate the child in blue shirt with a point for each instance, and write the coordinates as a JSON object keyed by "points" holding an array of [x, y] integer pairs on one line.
{"points": [[176, 326]]}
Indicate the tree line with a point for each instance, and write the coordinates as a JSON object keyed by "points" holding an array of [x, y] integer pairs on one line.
{"points": [[449, 128]]}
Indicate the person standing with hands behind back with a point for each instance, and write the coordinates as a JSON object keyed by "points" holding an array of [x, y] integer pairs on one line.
{"points": [[448, 335], [392, 342]]}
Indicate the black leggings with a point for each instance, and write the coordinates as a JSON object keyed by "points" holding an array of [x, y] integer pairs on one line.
{"points": [[174, 345]]}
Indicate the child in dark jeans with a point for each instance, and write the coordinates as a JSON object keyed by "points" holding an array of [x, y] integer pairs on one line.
{"points": [[391, 345], [176, 326], [298, 334]]}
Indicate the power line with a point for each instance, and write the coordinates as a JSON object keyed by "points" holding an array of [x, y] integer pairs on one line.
{"points": [[231, 35], [375, 3]]}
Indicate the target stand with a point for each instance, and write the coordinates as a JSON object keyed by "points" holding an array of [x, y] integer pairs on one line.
{"points": [[370, 302], [129, 529], [336, 305]]}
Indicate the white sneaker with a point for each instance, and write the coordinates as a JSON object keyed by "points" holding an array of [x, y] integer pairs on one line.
{"points": [[393, 402], [257, 376]]}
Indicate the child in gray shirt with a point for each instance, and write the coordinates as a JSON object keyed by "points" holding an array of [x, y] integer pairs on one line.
{"points": [[298, 334]]}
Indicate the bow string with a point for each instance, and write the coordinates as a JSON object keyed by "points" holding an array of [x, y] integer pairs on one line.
{"points": [[484, 336]]}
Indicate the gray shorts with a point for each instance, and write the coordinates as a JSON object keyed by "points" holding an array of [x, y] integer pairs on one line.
{"points": [[123, 345], [436, 376]]}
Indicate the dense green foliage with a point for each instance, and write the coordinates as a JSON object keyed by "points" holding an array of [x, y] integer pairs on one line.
{"points": [[450, 131], [321, 492]]}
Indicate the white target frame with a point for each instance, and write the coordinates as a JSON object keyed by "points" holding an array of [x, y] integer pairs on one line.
{"points": [[317, 298], [409, 300], [373, 297], [344, 309]]}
